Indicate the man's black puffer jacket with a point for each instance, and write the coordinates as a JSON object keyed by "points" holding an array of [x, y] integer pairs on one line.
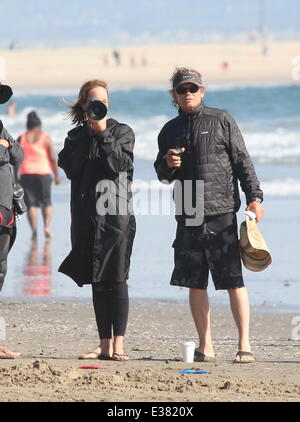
{"points": [[215, 152]]}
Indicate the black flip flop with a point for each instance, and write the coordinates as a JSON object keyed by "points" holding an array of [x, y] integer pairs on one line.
{"points": [[104, 357], [118, 357], [201, 357], [241, 353]]}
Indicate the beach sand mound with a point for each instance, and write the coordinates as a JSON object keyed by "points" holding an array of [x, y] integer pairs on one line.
{"points": [[51, 335], [45, 382]]}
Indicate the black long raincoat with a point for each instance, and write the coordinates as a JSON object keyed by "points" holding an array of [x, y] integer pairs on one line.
{"points": [[100, 167]]}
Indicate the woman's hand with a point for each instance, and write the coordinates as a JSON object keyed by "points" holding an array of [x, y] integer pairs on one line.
{"points": [[4, 142], [97, 125]]}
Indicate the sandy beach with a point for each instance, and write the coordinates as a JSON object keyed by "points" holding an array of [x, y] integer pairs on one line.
{"points": [[51, 334], [141, 66]]}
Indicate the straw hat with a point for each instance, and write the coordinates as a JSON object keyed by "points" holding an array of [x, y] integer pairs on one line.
{"points": [[253, 248]]}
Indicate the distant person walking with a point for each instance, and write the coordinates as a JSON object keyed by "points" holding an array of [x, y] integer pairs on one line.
{"points": [[35, 172], [11, 109], [117, 57], [144, 61]]}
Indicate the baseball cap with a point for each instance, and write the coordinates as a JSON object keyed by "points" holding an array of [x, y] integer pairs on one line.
{"points": [[5, 93], [254, 251], [191, 77]]}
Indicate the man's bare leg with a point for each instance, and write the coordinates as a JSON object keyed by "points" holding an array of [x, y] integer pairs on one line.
{"points": [[200, 309], [240, 308]]}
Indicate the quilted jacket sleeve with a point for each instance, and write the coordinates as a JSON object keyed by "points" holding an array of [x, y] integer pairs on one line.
{"points": [[241, 161], [164, 173]]}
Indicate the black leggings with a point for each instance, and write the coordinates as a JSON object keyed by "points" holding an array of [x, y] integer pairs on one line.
{"points": [[111, 305], [7, 237]]}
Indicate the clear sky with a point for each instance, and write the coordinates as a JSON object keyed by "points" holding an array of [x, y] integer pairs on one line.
{"points": [[108, 22]]}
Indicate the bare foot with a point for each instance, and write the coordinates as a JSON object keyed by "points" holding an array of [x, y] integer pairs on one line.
{"points": [[244, 357], [119, 357], [91, 355], [206, 350], [47, 232], [8, 354]]}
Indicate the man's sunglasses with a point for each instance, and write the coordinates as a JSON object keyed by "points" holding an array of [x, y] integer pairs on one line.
{"points": [[190, 89]]}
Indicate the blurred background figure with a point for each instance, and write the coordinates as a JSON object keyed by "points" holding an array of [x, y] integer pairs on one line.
{"points": [[105, 60], [116, 56], [12, 45], [11, 109], [36, 172], [132, 60], [224, 65], [37, 270], [144, 61], [265, 51], [253, 35]]}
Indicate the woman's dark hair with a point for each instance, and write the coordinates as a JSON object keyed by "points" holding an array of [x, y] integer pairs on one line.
{"points": [[76, 111], [33, 120]]}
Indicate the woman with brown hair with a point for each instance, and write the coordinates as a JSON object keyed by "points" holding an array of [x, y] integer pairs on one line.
{"points": [[98, 159]]}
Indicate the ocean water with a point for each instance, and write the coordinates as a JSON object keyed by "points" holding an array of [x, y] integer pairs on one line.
{"points": [[269, 118]]}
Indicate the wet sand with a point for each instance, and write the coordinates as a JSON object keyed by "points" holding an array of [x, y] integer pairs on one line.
{"points": [[51, 334]]}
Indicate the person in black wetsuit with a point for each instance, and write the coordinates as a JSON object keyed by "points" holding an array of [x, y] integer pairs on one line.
{"points": [[11, 154], [98, 159]]}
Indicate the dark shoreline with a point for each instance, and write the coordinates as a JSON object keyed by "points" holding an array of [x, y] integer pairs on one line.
{"points": [[263, 308]]}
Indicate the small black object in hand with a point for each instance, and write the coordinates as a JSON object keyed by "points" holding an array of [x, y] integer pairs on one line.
{"points": [[178, 152], [19, 205]]}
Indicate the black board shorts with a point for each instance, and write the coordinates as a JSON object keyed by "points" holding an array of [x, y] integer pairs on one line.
{"points": [[37, 189], [213, 246]]}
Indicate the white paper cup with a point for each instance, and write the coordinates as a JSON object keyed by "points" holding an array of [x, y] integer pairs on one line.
{"points": [[188, 350]]}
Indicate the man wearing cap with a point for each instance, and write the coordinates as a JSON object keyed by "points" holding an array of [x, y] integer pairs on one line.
{"points": [[205, 144]]}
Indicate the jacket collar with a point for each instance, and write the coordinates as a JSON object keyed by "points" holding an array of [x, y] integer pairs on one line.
{"points": [[195, 113]]}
